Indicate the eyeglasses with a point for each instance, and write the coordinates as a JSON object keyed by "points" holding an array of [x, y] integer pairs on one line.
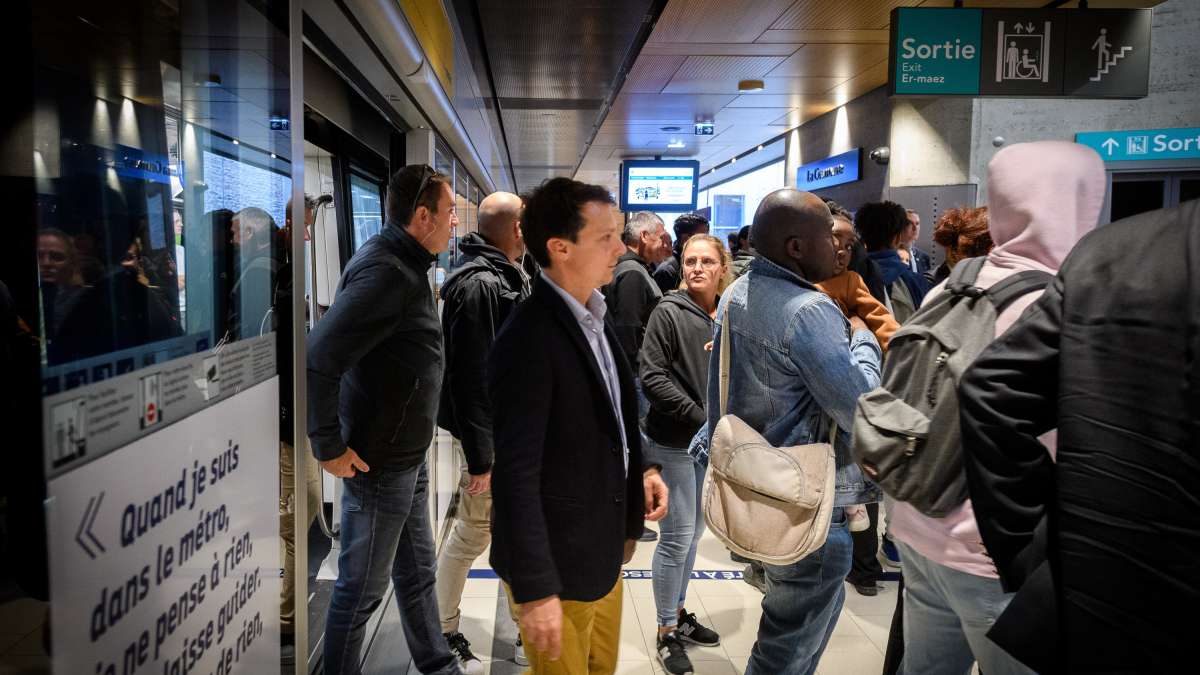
{"points": [[427, 173]]}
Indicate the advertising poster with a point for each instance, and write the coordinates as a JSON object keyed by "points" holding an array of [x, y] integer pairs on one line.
{"points": [[165, 555]]}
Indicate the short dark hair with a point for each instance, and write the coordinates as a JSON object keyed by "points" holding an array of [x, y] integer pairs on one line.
{"points": [[552, 210], [839, 211], [402, 192], [879, 223], [688, 224], [744, 233]]}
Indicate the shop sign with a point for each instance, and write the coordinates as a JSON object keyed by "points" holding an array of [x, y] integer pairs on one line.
{"points": [[835, 170]]}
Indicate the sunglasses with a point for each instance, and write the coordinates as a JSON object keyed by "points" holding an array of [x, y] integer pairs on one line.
{"points": [[427, 173]]}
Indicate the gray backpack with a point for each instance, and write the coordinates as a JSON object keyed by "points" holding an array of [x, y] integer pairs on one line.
{"points": [[906, 431]]}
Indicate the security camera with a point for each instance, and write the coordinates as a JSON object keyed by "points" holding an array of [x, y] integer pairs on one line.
{"points": [[881, 155]]}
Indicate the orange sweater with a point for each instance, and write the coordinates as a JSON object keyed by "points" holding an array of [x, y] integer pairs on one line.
{"points": [[850, 292]]}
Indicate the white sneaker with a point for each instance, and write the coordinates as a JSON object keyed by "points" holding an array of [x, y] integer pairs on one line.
{"points": [[461, 648], [519, 653]]}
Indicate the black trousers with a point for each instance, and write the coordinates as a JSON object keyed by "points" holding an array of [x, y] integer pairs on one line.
{"points": [[895, 644], [865, 568]]}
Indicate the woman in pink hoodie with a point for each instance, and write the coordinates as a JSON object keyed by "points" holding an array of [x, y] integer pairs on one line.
{"points": [[1042, 198]]}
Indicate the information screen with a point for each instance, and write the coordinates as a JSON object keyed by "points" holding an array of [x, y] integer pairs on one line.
{"points": [[659, 185]]}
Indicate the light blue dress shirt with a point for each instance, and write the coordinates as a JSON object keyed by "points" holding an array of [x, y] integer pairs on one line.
{"points": [[591, 320]]}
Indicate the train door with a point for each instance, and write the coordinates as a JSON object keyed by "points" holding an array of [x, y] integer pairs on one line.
{"points": [[146, 347], [1134, 192]]}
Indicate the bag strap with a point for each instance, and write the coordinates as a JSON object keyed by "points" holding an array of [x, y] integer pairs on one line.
{"points": [[1004, 292], [723, 375], [963, 276], [723, 383]]}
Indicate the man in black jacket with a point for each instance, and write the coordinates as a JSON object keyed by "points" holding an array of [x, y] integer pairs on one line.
{"points": [[633, 293], [374, 377], [478, 296], [568, 485], [669, 274], [1107, 529]]}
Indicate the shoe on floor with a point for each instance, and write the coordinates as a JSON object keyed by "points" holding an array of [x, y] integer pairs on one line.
{"points": [[461, 648], [519, 653], [755, 576], [889, 556], [867, 589], [648, 535], [859, 520], [673, 656], [690, 630]]}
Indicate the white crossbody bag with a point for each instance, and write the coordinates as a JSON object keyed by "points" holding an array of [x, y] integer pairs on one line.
{"points": [[763, 502]]}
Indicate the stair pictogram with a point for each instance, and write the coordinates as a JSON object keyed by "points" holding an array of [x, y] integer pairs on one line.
{"points": [[1112, 61]]}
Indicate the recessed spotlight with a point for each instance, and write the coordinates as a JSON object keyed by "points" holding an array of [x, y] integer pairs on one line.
{"points": [[235, 142], [670, 129], [733, 161], [273, 156], [745, 86], [759, 148]]}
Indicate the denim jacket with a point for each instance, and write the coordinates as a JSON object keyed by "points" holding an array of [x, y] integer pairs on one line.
{"points": [[792, 367]]}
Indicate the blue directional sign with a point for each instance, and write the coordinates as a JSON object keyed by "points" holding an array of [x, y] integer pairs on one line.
{"points": [[828, 172], [1143, 144]]}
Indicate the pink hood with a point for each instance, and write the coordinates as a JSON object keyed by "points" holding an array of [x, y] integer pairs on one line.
{"points": [[1042, 198]]}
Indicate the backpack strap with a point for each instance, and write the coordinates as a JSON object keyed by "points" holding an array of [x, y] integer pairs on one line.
{"points": [[963, 276], [1004, 292]]}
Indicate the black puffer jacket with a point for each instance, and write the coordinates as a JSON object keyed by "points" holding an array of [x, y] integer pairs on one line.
{"points": [[375, 358], [479, 295], [674, 369]]}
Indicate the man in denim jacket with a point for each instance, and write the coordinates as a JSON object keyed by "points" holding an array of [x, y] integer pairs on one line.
{"points": [[793, 368]]}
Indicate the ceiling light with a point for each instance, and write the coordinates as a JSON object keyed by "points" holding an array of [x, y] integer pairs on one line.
{"points": [[759, 148], [745, 86], [733, 161], [670, 129], [675, 145], [235, 142]]}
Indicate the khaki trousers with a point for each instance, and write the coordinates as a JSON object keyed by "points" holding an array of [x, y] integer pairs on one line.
{"points": [[287, 531], [591, 634], [469, 536]]}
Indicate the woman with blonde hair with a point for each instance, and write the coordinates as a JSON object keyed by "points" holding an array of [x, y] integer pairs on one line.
{"points": [[674, 372]]}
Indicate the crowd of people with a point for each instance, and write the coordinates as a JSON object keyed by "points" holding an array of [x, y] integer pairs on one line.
{"points": [[583, 397]]}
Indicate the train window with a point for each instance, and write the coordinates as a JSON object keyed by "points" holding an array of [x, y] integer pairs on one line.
{"points": [[162, 184], [366, 207]]}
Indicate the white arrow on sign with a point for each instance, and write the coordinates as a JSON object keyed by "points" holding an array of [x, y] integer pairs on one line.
{"points": [[1109, 145]]}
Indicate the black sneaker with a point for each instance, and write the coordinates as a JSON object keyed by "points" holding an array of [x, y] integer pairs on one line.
{"points": [[672, 656], [461, 649], [691, 631]]}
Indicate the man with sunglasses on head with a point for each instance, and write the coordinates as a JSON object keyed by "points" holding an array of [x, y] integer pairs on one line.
{"points": [[374, 378]]}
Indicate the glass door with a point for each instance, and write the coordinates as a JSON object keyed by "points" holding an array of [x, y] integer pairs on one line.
{"points": [[366, 205]]}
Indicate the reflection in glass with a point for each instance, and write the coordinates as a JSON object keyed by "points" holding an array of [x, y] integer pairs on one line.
{"points": [[162, 178]]}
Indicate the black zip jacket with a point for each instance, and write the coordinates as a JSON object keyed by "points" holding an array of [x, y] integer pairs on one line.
{"points": [[631, 296], [477, 297], [669, 273], [375, 358], [1100, 541], [674, 369]]}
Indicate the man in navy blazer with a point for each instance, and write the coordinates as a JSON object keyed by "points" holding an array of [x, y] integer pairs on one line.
{"points": [[569, 486]]}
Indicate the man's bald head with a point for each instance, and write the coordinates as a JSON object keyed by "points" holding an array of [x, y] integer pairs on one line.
{"points": [[499, 219], [793, 229]]}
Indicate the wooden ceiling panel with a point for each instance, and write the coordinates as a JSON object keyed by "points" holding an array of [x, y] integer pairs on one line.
{"points": [[717, 20], [775, 48], [651, 73], [839, 14], [726, 67], [824, 36], [774, 85], [875, 76], [832, 60], [666, 109]]}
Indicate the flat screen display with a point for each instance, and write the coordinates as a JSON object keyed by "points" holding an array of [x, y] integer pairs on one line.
{"points": [[659, 185]]}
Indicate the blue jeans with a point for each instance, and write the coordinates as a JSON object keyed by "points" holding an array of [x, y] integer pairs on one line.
{"points": [[801, 607], [386, 531], [679, 531], [947, 614]]}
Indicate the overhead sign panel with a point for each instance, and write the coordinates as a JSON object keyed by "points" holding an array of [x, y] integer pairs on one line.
{"points": [[935, 51], [835, 170], [1020, 52], [1143, 144]]}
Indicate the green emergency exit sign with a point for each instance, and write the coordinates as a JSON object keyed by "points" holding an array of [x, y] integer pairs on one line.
{"points": [[936, 52]]}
